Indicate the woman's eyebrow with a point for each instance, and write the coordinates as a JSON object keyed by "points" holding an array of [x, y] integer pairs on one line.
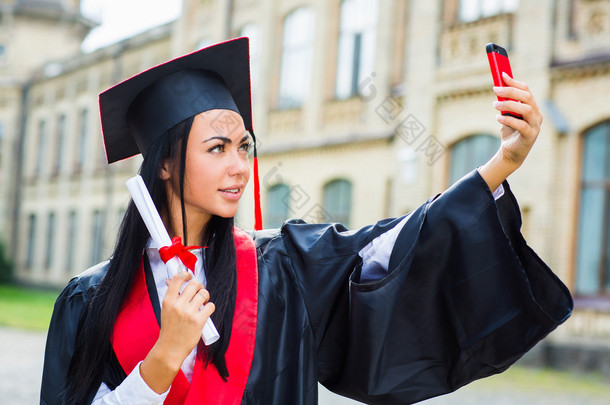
{"points": [[225, 139], [220, 138]]}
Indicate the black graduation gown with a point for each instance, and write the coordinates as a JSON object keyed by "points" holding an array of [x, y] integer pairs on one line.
{"points": [[464, 298]]}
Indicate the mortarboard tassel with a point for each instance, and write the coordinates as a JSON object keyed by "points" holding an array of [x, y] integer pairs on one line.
{"points": [[258, 216]]}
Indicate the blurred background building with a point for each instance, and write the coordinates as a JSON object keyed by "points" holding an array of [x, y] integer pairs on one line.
{"points": [[363, 108]]}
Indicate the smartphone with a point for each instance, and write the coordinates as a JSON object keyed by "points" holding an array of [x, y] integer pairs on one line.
{"points": [[498, 63]]}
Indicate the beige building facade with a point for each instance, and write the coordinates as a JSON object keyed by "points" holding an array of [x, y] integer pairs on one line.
{"points": [[363, 109]]}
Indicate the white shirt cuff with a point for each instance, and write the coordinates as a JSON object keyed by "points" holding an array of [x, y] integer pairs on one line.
{"points": [[133, 390]]}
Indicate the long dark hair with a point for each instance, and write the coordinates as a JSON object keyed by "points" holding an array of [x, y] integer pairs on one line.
{"points": [[93, 350]]}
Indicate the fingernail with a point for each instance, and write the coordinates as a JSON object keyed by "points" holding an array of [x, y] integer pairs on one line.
{"points": [[496, 104], [500, 117], [505, 74]]}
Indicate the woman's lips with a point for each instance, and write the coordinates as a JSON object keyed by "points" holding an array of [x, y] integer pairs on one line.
{"points": [[233, 193]]}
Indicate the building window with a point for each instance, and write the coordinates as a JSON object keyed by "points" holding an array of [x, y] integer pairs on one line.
{"points": [[41, 145], [469, 153], [97, 238], [71, 242], [593, 259], [337, 201], [471, 10], [356, 57], [277, 205], [252, 31], [81, 152], [31, 252], [49, 254], [297, 57], [61, 140], [1, 140]]}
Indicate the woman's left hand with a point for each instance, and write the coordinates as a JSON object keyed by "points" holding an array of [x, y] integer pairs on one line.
{"points": [[517, 135]]}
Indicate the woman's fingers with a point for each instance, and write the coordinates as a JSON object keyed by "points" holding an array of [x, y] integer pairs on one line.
{"points": [[521, 102], [515, 124], [514, 94], [516, 90], [201, 297], [190, 290], [207, 310], [509, 81], [176, 282], [522, 109]]}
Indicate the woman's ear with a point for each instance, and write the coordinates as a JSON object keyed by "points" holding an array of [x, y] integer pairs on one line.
{"points": [[164, 170]]}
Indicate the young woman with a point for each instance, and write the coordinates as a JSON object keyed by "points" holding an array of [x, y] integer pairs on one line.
{"points": [[396, 312]]}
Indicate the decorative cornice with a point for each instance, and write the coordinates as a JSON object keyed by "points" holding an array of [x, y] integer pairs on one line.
{"points": [[330, 142], [462, 93], [591, 65]]}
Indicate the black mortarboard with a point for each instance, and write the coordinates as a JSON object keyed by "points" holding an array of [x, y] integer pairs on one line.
{"points": [[137, 111]]}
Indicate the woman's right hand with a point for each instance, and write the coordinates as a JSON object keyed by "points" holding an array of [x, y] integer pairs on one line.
{"points": [[182, 319]]}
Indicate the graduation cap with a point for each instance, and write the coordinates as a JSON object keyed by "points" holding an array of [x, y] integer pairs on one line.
{"points": [[139, 110]]}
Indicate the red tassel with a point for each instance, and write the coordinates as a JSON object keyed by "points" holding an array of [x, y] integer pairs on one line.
{"points": [[258, 216]]}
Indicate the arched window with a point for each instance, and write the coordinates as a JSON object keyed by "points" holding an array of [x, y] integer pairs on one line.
{"points": [[71, 244], [297, 56], [81, 151], [31, 252], [1, 140], [42, 146], [97, 237], [469, 153], [277, 205], [59, 146], [50, 248], [337, 201], [252, 31], [593, 259], [356, 56]]}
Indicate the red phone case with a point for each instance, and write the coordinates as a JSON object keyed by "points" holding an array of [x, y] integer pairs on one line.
{"points": [[498, 63]]}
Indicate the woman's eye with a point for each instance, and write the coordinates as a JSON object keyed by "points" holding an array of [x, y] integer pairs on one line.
{"points": [[217, 148], [245, 146]]}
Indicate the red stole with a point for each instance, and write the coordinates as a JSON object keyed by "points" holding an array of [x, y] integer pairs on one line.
{"points": [[136, 330]]}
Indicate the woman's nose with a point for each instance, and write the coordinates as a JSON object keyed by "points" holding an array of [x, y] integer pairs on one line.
{"points": [[239, 164]]}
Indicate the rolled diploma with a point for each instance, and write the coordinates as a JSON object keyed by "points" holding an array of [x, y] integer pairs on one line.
{"points": [[141, 197]]}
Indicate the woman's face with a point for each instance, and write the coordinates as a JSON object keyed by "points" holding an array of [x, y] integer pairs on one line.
{"points": [[216, 169]]}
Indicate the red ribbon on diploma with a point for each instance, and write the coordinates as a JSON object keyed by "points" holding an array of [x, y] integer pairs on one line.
{"points": [[178, 249]]}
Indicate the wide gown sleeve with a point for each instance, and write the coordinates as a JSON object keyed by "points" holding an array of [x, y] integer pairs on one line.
{"points": [[464, 298], [69, 309], [61, 337]]}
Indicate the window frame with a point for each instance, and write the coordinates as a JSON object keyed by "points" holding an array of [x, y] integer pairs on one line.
{"points": [[467, 141], [270, 217], [341, 217], [290, 53], [603, 184], [502, 7], [367, 30]]}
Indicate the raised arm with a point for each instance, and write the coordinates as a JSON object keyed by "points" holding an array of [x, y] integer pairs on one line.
{"points": [[518, 136]]}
